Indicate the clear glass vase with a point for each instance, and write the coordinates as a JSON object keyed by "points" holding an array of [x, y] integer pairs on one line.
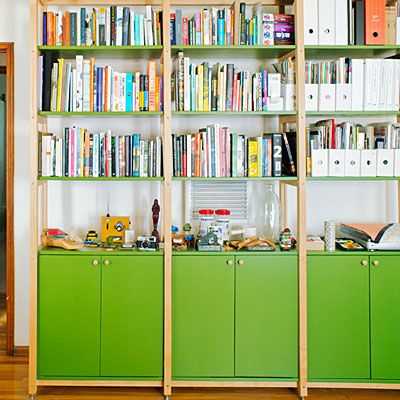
{"points": [[272, 215]]}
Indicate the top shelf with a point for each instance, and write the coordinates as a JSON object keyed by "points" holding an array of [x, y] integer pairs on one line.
{"points": [[332, 52], [120, 52]]}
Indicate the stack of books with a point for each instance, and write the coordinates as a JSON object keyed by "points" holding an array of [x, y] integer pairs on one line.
{"points": [[103, 26], [357, 22], [216, 152], [80, 153], [265, 28], [223, 88], [207, 27], [81, 86], [350, 149], [349, 84]]}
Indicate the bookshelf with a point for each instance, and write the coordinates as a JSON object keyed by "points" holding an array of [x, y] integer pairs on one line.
{"points": [[40, 186]]}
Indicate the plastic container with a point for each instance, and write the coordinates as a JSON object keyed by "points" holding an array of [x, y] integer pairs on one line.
{"points": [[223, 219], [206, 220], [272, 215]]}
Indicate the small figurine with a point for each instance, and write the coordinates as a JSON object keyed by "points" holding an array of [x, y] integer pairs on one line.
{"points": [[178, 241], [189, 237], [156, 215], [91, 239], [286, 240]]}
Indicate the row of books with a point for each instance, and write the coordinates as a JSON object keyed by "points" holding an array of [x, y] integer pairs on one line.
{"points": [[207, 27], [104, 26], [350, 149], [216, 152], [223, 88], [327, 134], [351, 22], [265, 28], [350, 84], [80, 153], [81, 86]]}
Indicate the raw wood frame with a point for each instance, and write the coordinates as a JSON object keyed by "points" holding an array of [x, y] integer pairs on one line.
{"points": [[8, 49]]}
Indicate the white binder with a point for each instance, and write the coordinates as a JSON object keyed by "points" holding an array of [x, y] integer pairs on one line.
{"points": [[396, 162], [336, 162], [311, 94], [352, 160], [343, 97], [357, 89], [341, 22], [319, 162], [275, 103], [368, 163], [327, 97], [326, 22], [311, 22], [289, 96], [385, 162]]}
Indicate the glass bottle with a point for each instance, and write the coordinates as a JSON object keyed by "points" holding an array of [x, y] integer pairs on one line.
{"points": [[272, 215]]}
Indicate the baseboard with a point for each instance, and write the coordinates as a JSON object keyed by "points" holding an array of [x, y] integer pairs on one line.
{"points": [[21, 351]]}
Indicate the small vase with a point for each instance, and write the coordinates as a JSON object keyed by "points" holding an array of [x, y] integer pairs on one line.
{"points": [[272, 215]]}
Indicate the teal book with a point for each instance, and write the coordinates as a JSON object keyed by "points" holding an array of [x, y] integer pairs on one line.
{"points": [[136, 154], [234, 138], [129, 90]]}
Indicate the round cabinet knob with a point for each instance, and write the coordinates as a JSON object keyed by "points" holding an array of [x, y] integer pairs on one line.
{"points": [[106, 262], [229, 262], [241, 262], [375, 262], [95, 263], [364, 262]]}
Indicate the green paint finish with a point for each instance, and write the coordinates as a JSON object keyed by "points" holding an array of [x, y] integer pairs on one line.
{"points": [[68, 316], [99, 114], [98, 251], [132, 316], [354, 178], [338, 318], [235, 179], [335, 51], [385, 317], [266, 323], [229, 51], [223, 253], [202, 317], [112, 52], [100, 178], [231, 113], [351, 113]]}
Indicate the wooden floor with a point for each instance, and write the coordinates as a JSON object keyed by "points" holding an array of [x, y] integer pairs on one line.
{"points": [[14, 386]]}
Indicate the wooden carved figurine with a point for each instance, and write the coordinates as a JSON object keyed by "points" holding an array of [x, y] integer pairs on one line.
{"points": [[156, 215]]}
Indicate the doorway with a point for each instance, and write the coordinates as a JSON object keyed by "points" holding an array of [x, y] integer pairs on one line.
{"points": [[7, 197]]}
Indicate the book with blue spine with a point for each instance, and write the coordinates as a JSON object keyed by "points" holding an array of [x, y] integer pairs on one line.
{"points": [[135, 154], [129, 90], [173, 31], [178, 27], [44, 38], [125, 26], [221, 28], [83, 23]]}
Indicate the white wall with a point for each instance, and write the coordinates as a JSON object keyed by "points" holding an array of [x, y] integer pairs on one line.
{"points": [[14, 27], [366, 201]]}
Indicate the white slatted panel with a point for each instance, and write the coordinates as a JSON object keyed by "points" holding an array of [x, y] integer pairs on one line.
{"points": [[232, 196]]}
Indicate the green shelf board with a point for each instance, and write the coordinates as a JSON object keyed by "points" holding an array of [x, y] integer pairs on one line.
{"points": [[100, 114], [234, 113], [352, 253], [236, 179], [331, 52], [95, 251], [194, 252], [352, 113], [233, 51], [99, 179], [353, 178], [235, 379], [110, 52]]}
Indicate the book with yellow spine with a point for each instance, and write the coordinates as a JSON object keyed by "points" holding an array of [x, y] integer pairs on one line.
{"points": [[253, 158]]}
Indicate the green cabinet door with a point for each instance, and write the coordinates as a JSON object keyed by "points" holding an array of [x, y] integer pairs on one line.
{"points": [[132, 316], [68, 316], [266, 323], [203, 316], [338, 317], [385, 317]]}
